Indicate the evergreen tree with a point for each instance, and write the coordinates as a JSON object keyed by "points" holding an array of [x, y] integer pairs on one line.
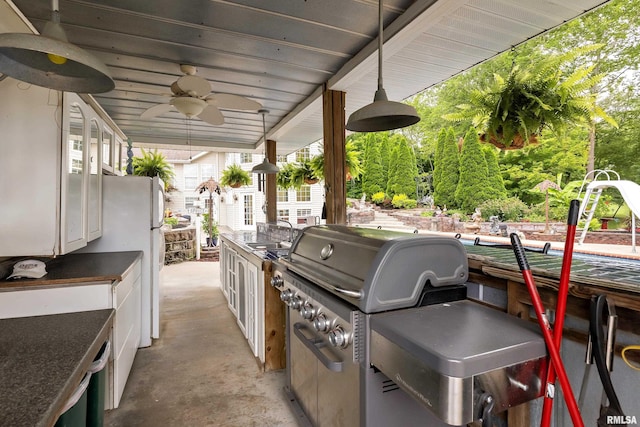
{"points": [[402, 170], [386, 147], [473, 185], [495, 183], [444, 191], [372, 177], [437, 169]]}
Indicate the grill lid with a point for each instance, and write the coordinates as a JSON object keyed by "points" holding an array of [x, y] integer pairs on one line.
{"points": [[376, 270]]}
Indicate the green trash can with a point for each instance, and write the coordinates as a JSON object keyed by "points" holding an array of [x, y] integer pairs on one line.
{"points": [[97, 387], [74, 413]]}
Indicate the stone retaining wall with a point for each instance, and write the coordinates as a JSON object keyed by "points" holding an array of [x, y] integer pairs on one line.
{"points": [[180, 245]]}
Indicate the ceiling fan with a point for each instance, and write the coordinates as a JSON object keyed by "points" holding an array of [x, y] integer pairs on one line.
{"points": [[191, 95]]}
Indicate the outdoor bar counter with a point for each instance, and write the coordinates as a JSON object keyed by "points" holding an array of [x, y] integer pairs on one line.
{"points": [[618, 279]]}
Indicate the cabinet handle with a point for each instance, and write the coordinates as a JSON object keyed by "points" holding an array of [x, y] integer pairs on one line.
{"points": [[314, 346]]}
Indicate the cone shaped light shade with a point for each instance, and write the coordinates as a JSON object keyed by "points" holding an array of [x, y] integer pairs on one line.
{"points": [[265, 166], [382, 115], [48, 60]]}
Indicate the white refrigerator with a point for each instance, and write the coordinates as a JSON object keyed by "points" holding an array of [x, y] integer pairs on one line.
{"points": [[132, 219]]}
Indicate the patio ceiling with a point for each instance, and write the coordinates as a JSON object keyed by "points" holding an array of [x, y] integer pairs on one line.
{"points": [[281, 53]]}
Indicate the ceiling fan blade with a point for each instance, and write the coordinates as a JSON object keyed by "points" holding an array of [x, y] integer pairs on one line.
{"points": [[194, 85], [212, 115], [232, 102], [156, 110]]}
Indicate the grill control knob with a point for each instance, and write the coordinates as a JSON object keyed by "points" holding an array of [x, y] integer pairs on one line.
{"points": [[285, 295], [277, 281], [320, 323], [295, 302], [338, 337], [308, 311]]}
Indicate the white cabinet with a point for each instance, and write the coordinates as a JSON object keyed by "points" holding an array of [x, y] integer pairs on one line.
{"points": [[241, 281], [253, 315], [94, 206], [46, 143], [126, 328]]}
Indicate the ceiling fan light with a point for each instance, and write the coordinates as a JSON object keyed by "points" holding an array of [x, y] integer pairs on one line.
{"points": [[50, 61], [265, 167], [189, 106], [382, 115]]}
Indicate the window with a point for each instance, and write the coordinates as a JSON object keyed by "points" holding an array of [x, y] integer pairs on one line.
{"points": [[302, 215], [304, 194], [283, 214], [281, 159], [246, 157], [76, 166], [303, 154], [283, 195], [208, 202], [189, 202], [207, 171], [190, 177], [248, 209]]}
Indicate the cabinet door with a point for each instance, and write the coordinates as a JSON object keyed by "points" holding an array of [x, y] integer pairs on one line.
{"points": [[241, 306], [231, 281], [108, 143], [252, 307], [94, 208], [73, 206]]}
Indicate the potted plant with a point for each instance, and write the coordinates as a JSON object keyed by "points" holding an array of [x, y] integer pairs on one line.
{"points": [[211, 230], [512, 110], [151, 164], [352, 166], [283, 177], [303, 173], [234, 176]]}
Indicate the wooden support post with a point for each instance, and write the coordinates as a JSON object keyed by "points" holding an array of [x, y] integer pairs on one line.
{"points": [[334, 156], [270, 184]]}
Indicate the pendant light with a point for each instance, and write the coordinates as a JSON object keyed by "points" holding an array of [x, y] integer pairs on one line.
{"points": [[265, 166], [382, 114], [50, 61]]}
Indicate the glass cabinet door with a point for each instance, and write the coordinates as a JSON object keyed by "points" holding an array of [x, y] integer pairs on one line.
{"points": [[73, 208], [95, 181], [107, 149]]}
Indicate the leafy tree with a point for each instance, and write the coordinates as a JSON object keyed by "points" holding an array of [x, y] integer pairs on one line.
{"points": [[444, 192], [472, 188], [386, 146]]}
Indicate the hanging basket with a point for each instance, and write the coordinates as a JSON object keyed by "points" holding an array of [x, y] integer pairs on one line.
{"points": [[310, 181], [235, 185], [517, 143]]}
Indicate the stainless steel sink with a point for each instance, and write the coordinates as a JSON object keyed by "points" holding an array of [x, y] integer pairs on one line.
{"points": [[267, 245]]}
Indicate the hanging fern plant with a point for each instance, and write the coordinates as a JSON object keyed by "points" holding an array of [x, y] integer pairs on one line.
{"points": [[151, 164], [303, 174], [234, 176], [283, 178], [352, 167], [512, 111]]}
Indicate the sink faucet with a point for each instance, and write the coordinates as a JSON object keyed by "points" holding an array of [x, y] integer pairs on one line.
{"points": [[290, 228]]}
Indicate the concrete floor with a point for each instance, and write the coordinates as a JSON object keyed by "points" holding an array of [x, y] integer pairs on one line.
{"points": [[201, 372]]}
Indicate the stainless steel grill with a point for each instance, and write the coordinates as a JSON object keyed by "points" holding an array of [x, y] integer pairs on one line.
{"points": [[384, 315]]}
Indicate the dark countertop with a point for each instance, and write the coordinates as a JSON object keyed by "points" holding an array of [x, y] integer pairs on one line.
{"points": [[78, 268], [42, 361]]}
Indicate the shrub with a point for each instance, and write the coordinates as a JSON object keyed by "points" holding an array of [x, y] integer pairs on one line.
{"points": [[427, 214], [511, 209], [171, 221], [401, 201], [378, 197]]}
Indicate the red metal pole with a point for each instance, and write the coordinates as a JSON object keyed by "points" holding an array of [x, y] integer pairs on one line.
{"points": [[569, 398], [561, 308]]}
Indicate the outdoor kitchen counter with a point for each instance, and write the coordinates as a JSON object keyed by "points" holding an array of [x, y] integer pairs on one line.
{"points": [[78, 269], [44, 358], [618, 279]]}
